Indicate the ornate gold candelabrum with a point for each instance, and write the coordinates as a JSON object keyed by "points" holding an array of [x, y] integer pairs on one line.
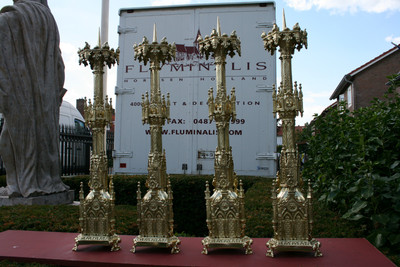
{"points": [[97, 218], [225, 207], [292, 209], [155, 213]]}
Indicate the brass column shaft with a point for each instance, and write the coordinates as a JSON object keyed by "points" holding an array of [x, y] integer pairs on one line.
{"points": [[155, 213], [225, 212], [292, 217]]}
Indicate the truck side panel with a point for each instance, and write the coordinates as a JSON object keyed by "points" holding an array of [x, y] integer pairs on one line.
{"points": [[190, 138]]}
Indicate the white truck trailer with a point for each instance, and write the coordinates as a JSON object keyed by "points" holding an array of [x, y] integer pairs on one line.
{"points": [[190, 138]]}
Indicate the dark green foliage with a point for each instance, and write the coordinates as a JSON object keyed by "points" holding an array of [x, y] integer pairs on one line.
{"points": [[189, 204], [125, 187], [327, 223], [189, 215], [354, 160], [258, 208], [74, 184], [188, 190]]}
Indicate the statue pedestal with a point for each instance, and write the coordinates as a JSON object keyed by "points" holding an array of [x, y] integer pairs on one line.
{"points": [[66, 197]]}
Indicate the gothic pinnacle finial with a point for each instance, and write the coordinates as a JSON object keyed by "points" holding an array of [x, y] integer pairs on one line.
{"points": [[99, 39], [283, 20], [154, 34], [218, 27]]}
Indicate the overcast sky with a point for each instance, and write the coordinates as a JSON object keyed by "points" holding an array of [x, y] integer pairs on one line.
{"points": [[342, 35]]}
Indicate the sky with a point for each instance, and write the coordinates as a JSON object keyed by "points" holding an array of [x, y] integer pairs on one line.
{"points": [[342, 35]]}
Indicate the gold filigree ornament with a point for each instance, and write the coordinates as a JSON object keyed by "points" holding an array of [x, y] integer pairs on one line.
{"points": [[155, 213], [292, 210], [96, 210], [225, 207]]}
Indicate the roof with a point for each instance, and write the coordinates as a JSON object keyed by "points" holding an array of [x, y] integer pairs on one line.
{"points": [[348, 78], [324, 112], [180, 48], [260, 3]]}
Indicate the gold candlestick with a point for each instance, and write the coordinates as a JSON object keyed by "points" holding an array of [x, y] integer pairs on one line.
{"points": [[97, 218], [292, 210], [225, 207], [155, 213]]}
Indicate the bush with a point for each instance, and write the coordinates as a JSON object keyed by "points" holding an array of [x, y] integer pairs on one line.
{"points": [[189, 211], [354, 160], [188, 192]]}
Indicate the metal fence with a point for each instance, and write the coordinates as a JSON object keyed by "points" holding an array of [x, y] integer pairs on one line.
{"points": [[74, 151], [2, 169], [75, 147]]}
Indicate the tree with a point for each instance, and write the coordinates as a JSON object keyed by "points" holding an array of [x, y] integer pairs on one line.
{"points": [[354, 161]]}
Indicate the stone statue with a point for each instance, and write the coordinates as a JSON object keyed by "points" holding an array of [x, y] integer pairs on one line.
{"points": [[31, 88]]}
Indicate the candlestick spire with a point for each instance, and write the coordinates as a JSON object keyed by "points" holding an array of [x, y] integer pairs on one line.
{"points": [[97, 218], [283, 20], [154, 34], [226, 220], [218, 27], [292, 210], [155, 213], [99, 38]]}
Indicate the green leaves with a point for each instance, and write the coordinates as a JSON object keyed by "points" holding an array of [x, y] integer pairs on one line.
{"points": [[395, 164], [354, 161], [354, 212]]}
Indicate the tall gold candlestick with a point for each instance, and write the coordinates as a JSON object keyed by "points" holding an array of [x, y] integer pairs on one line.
{"points": [[155, 213], [97, 218], [225, 207], [292, 209]]}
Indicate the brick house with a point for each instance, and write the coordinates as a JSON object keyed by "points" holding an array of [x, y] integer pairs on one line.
{"points": [[359, 87], [279, 133]]}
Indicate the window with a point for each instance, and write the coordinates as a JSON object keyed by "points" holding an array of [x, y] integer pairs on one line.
{"points": [[349, 96], [79, 126], [340, 100]]}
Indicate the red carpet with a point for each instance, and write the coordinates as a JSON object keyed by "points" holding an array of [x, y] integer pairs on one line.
{"points": [[56, 248]]}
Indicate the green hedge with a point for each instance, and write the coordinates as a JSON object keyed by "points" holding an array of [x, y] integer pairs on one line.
{"points": [[188, 193], [189, 211]]}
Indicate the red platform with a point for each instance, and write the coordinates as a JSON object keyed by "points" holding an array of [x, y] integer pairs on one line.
{"points": [[56, 248]]}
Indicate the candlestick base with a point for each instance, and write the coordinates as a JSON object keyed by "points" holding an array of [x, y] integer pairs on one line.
{"points": [[112, 241], [274, 245], [243, 242], [161, 242]]}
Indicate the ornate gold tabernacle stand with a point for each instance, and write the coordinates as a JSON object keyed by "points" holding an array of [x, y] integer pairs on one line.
{"points": [[155, 213], [97, 218], [225, 208], [292, 211]]}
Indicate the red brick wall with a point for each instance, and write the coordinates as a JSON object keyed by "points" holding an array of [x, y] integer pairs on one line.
{"points": [[370, 83], [80, 104]]}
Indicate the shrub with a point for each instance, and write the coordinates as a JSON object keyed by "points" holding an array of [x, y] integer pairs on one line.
{"points": [[188, 192], [354, 160]]}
